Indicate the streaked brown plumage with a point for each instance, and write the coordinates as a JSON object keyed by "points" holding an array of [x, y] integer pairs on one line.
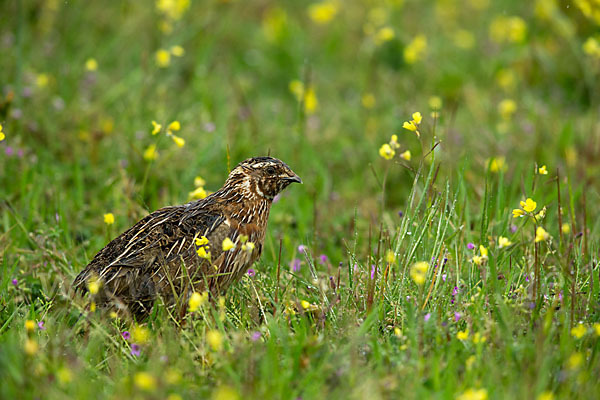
{"points": [[158, 255]]}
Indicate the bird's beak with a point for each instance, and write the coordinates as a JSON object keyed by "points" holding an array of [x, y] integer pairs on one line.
{"points": [[293, 178]]}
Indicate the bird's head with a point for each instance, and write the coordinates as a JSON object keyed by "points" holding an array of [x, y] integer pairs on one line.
{"points": [[263, 177]]}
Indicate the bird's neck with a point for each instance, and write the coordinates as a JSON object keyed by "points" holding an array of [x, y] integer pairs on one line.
{"points": [[244, 205]]}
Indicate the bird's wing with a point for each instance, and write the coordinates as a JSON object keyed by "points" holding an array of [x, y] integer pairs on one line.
{"points": [[162, 236]]}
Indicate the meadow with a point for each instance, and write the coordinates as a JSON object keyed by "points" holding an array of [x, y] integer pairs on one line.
{"points": [[444, 243]]}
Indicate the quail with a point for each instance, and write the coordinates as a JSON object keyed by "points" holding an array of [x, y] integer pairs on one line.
{"points": [[204, 245]]}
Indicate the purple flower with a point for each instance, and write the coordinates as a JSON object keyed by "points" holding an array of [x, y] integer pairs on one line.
{"points": [[251, 272], [372, 271], [470, 246], [276, 198], [126, 335], [355, 269], [456, 316], [255, 336], [400, 214], [15, 282], [560, 296], [41, 326], [455, 291], [135, 350], [20, 153], [9, 151], [301, 248], [513, 228], [526, 278], [295, 264], [322, 259], [427, 317], [444, 277]]}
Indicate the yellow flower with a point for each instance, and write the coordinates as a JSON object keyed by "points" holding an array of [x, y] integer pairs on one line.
{"points": [[228, 244], [180, 142], [463, 335], [198, 181], [41, 80], [225, 393], [150, 153], [575, 360], [214, 339], [368, 100], [140, 334], [162, 58], [542, 170], [145, 381], [156, 127], [2, 136], [201, 241], [386, 151], [173, 377], [591, 47], [417, 118], [93, 285], [497, 164], [578, 331], [305, 304], [541, 215], [477, 260], [483, 251], [503, 242], [198, 193], [507, 108], [93, 306], [248, 246], [323, 12], [390, 257], [547, 395], [415, 50], [528, 205], [397, 332], [310, 101], [435, 102], [406, 155], [91, 64], [418, 272], [297, 89], [479, 338], [197, 300], [172, 9], [64, 375], [541, 235], [177, 51], [394, 142], [464, 39], [29, 325], [473, 394], [508, 29], [202, 253], [566, 228], [274, 23], [384, 34], [109, 218], [174, 126], [517, 212], [31, 346], [470, 361], [596, 327], [410, 125], [506, 79]]}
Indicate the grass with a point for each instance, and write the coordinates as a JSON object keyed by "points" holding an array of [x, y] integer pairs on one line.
{"points": [[518, 85]]}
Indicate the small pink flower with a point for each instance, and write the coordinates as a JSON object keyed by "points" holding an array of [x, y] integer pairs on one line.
{"points": [[456, 316], [125, 335], [322, 259], [427, 317], [255, 336], [135, 350], [470, 246], [41, 325], [251, 273]]}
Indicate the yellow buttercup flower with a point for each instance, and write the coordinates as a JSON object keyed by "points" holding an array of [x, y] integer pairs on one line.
{"points": [[199, 181], [150, 153], [542, 170], [390, 257], [507, 108], [417, 118], [310, 101], [64, 375], [503, 242], [415, 50], [198, 193], [528, 205], [162, 58], [174, 126], [145, 381], [463, 335], [384, 34], [473, 394], [29, 325], [180, 142], [386, 151], [566, 228], [2, 136], [156, 127], [91, 64], [203, 253], [541, 235], [596, 327], [177, 51], [249, 246], [394, 142], [477, 260], [201, 241], [497, 164], [578, 331], [410, 125], [109, 218], [418, 272], [483, 251], [214, 339], [323, 12], [517, 212], [140, 334], [406, 155], [228, 244], [591, 47], [197, 300], [575, 360], [93, 285]]}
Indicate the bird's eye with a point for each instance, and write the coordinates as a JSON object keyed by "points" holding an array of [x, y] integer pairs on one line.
{"points": [[270, 170]]}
